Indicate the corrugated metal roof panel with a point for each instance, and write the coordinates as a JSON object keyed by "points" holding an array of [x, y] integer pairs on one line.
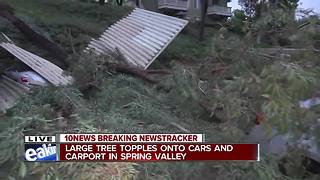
{"points": [[140, 37], [10, 90], [46, 69]]}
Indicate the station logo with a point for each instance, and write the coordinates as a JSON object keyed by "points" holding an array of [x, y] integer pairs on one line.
{"points": [[40, 148]]}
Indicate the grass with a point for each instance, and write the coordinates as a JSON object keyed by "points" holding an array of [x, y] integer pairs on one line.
{"points": [[187, 48], [67, 23]]}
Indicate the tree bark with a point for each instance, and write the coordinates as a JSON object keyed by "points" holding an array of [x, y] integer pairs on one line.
{"points": [[204, 8]]}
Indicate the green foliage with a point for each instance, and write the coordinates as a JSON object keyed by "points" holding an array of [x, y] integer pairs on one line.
{"points": [[308, 34], [90, 70], [50, 112], [273, 24], [239, 22], [289, 4], [274, 27], [273, 83], [253, 81], [284, 85], [257, 8]]}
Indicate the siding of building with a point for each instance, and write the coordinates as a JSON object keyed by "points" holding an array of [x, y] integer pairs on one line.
{"points": [[150, 5]]}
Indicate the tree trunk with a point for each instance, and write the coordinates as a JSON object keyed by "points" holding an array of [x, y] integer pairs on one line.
{"points": [[204, 7]]}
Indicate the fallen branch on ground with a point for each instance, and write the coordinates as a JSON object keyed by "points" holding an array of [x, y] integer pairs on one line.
{"points": [[122, 66], [135, 72]]}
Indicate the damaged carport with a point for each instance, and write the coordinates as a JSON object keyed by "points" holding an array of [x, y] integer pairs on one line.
{"points": [[10, 90]]}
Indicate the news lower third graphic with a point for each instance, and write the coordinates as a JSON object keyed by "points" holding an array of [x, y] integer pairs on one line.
{"points": [[134, 147]]}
